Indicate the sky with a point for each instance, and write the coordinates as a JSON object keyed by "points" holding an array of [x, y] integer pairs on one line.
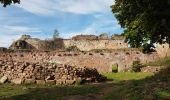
{"points": [[39, 18]]}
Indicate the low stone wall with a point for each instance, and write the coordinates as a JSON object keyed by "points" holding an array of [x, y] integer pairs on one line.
{"points": [[42, 73]]}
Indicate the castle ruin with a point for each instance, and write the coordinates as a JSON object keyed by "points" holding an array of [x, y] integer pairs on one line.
{"points": [[82, 42]]}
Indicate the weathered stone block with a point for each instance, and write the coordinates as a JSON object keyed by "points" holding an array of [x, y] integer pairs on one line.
{"points": [[70, 82], [59, 81], [29, 81], [3, 79], [17, 81], [40, 81], [50, 82]]}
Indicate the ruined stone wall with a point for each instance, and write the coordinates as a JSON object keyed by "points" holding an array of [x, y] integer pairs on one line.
{"points": [[162, 49], [26, 42], [102, 61], [87, 45]]}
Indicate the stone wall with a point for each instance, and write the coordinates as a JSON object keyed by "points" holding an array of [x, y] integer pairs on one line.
{"points": [[102, 61], [87, 45], [162, 50]]}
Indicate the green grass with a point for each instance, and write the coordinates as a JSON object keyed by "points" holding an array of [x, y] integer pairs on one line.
{"points": [[127, 86], [43, 92], [162, 94], [141, 86], [127, 75]]}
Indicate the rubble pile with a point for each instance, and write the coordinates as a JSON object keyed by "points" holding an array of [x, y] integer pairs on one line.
{"points": [[42, 73]]}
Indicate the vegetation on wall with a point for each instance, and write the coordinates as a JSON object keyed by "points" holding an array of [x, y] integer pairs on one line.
{"points": [[136, 66]]}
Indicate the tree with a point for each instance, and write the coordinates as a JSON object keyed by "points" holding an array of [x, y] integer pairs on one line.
{"points": [[56, 34], [8, 2], [144, 21]]}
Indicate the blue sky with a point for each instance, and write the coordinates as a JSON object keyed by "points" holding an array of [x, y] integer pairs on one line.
{"points": [[39, 18]]}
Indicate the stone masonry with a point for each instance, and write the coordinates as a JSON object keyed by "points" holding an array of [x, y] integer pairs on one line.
{"points": [[83, 42]]}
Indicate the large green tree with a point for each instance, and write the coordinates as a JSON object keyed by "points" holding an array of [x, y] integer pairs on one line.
{"points": [[8, 2], [144, 21]]}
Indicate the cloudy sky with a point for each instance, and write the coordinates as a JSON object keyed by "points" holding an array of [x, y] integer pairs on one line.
{"points": [[39, 18]]}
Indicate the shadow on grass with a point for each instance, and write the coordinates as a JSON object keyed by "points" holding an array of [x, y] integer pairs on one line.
{"points": [[52, 93], [156, 87]]}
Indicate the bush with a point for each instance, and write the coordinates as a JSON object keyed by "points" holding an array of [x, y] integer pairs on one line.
{"points": [[79, 81], [114, 69], [72, 48], [136, 66]]}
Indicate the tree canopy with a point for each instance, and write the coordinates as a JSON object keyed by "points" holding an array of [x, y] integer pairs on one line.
{"points": [[8, 2], [144, 21]]}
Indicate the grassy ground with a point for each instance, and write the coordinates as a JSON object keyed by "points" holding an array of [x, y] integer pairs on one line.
{"points": [[53, 92], [127, 75], [43, 92], [142, 87]]}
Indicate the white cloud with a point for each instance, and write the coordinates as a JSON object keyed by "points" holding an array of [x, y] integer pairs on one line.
{"points": [[7, 39], [49, 7], [10, 33], [103, 23], [20, 29]]}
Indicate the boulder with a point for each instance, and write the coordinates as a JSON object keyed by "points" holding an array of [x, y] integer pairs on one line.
{"points": [[3, 79]]}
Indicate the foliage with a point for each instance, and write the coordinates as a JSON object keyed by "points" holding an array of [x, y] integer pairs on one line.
{"points": [[56, 34], [162, 93], [8, 2], [79, 81], [72, 48], [136, 66], [144, 21]]}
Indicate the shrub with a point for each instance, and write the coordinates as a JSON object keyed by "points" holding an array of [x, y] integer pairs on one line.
{"points": [[136, 66], [72, 48], [79, 81], [114, 69]]}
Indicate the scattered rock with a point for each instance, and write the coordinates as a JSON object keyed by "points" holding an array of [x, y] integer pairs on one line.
{"points": [[3, 79]]}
